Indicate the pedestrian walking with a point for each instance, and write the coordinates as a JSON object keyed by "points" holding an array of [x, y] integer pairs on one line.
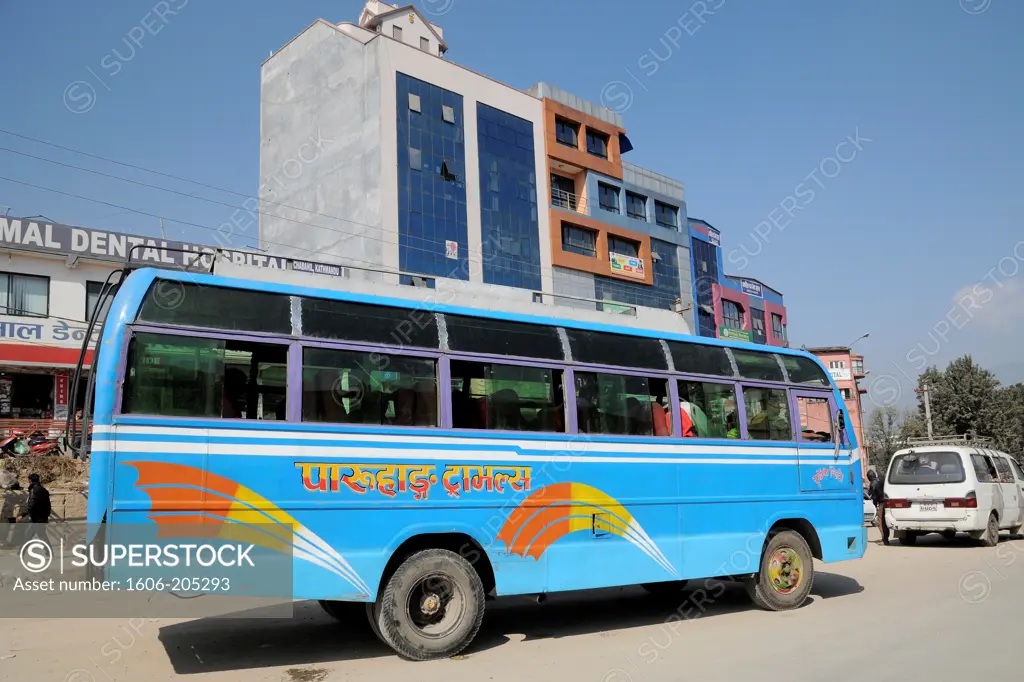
{"points": [[877, 495], [36, 510]]}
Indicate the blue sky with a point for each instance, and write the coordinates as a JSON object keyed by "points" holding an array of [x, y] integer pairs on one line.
{"points": [[742, 105]]}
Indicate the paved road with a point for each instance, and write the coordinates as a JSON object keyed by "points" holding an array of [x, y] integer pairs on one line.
{"points": [[940, 611]]}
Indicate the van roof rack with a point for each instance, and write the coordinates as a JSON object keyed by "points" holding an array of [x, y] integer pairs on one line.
{"points": [[963, 439]]}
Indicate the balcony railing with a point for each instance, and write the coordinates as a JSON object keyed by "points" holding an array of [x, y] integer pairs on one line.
{"points": [[569, 201]]}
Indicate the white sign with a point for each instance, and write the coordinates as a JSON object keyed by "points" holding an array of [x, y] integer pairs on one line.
{"points": [[43, 332], [451, 249], [840, 373]]}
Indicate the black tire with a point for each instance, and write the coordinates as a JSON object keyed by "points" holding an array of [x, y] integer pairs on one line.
{"points": [[373, 615], [782, 597], [666, 589], [432, 606], [991, 536], [949, 534], [907, 537], [342, 611]]}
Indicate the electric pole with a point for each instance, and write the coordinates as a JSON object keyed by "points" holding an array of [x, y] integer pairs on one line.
{"points": [[927, 408]]}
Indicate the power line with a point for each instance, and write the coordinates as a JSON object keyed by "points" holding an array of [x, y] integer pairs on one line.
{"points": [[192, 196]]}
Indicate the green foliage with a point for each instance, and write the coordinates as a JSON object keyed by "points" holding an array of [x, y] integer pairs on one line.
{"points": [[966, 398], [887, 431]]}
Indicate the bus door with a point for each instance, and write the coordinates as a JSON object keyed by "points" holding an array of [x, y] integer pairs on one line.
{"points": [[820, 444]]}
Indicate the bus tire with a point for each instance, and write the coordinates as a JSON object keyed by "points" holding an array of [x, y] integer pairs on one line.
{"points": [[665, 589], [373, 615], [432, 607], [786, 573]]}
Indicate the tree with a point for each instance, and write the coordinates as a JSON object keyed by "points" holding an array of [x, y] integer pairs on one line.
{"points": [[963, 398], [1008, 419], [888, 431]]}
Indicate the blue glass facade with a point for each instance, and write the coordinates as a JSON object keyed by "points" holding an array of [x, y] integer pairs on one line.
{"points": [[431, 180], [705, 274], [666, 282], [508, 199]]}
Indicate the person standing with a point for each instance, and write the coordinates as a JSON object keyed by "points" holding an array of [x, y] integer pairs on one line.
{"points": [[37, 507], [877, 495]]}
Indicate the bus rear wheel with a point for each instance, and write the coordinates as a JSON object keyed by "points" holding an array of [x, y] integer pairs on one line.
{"points": [[786, 573], [432, 606]]}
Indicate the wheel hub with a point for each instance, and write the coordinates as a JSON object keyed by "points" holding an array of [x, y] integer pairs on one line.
{"points": [[430, 604], [785, 570]]}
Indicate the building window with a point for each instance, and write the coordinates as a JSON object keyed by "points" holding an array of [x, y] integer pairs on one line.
{"points": [[567, 133], [778, 329], [448, 113], [608, 196], [757, 325], [847, 395], [666, 215], [576, 239], [414, 102], [92, 296], [563, 192], [732, 314], [27, 295], [425, 44], [415, 158], [858, 366], [837, 364], [597, 144], [624, 247], [396, 32], [636, 206]]}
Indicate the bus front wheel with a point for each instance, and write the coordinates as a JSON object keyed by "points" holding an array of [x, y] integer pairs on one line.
{"points": [[432, 606], [786, 573]]}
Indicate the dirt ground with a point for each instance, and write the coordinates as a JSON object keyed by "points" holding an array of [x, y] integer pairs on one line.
{"points": [[66, 478]]}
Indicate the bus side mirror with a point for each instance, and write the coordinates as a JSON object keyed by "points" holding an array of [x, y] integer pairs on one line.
{"points": [[841, 419]]}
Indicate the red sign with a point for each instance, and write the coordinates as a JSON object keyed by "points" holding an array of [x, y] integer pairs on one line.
{"points": [[61, 390]]}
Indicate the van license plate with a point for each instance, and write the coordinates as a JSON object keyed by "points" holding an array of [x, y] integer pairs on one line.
{"points": [[929, 506]]}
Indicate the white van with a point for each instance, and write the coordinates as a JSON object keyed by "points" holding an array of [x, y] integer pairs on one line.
{"points": [[951, 486]]}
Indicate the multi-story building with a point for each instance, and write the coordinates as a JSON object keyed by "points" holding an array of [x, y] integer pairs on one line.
{"points": [[847, 368], [728, 306], [423, 170]]}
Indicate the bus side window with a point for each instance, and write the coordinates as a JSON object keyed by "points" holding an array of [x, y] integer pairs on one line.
{"points": [[503, 397], [708, 409], [767, 413], [621, 405]]}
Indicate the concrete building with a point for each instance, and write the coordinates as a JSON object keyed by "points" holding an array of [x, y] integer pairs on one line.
{"points": [[380, 155], [729, 306], [847, 369]]}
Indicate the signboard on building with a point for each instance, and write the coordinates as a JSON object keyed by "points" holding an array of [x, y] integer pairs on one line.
{"points": [[730, 334], [714, 237], [840, 373], [628, 266], [115, 246], [752, 288]]}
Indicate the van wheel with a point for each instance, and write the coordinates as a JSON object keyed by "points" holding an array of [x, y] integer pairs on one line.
{"points": [[907, 537], [432, 606], [665, 589], [786, 573], [991, 536]]}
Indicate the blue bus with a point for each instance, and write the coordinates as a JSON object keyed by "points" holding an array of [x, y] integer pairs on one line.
{"points": [[428, 458]]}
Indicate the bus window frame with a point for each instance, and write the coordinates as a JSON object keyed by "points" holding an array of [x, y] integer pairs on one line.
{"points": [[741, 401], [200, 333], [795, 393], [724, 381], [673, 396], [421, 353], [481, 358]]}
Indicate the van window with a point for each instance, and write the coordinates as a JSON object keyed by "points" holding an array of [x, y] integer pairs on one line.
{"points": [[1003, 467], [923, 468], [1017, 470], [984, 469]]}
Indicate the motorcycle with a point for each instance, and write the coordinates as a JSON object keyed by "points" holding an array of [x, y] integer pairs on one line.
{"points": [[35, 444]]}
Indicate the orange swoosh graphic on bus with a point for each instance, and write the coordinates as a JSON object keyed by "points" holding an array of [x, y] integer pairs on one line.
{"points": [[554, 511], [181, 494]]}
